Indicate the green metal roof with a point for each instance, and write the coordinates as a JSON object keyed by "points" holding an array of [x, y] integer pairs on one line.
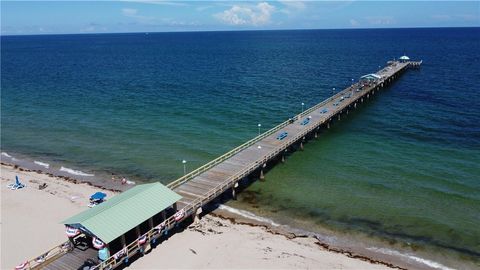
{"points": [[371, 76], [125, 211]]}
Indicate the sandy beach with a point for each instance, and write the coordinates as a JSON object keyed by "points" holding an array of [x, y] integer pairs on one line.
{"points": [[30, 225]]}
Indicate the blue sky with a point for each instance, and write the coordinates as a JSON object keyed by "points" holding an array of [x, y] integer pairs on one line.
{"points": [[42, 17]]}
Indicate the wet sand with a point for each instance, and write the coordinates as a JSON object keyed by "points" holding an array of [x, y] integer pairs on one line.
{"points": [[30, 225]]}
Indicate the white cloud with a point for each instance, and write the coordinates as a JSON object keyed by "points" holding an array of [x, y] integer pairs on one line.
{"points": [[202, 8], [129, 12], [133, 13], [354, 23], [380, 20], [247, 15], [291, 4]]}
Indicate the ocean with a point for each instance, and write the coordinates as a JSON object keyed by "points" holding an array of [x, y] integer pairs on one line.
{"points": [[402, 169]]}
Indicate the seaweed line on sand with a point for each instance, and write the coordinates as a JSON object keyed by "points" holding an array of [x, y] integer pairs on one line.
{"points": [[286, 234], [291, 235], [65, 178]]}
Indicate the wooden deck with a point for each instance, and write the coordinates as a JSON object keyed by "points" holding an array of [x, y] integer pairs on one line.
{"points": [[74, 259], [204, 184], [225, 174]]}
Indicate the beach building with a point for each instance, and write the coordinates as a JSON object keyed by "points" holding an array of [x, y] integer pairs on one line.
{"points": [[108, 228]]}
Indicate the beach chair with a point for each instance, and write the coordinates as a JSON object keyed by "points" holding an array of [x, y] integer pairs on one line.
{"points": [[96, 199], [16, 185]]}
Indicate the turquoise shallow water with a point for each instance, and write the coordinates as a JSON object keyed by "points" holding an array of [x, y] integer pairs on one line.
{"points": [[403, 167]]}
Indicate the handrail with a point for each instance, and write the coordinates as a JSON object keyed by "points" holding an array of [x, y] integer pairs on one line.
{"points": [[134, 246], [51, 253], [242, 147], [170, 222]]}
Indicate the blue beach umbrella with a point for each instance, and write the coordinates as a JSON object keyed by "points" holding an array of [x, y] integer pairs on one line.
{"points": [[98, 196]]}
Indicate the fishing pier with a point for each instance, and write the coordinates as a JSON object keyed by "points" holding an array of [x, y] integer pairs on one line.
{"points": [[188, 195]]}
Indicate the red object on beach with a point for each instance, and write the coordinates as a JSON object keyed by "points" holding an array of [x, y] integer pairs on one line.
{"points": [[22, 266], [161, 225], [72, 232], [97, 243], [142, 240], [179, 215]]}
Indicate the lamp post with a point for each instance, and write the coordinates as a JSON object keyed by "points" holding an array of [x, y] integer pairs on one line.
{"points": [[303, 104], [184, 167], [333, 90], [259, 126]]}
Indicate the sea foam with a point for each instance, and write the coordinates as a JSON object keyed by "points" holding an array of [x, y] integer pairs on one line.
{"points": [[6, 155], [426, 262], [43, 164], [74, 172], [247, 214]]}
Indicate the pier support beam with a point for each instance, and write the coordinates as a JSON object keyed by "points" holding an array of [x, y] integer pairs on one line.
{"points": [[262, 176], [234, 192], [283, 158], [301, 145], [198, 212], [355, 105], [339, 117], [328, 125]]}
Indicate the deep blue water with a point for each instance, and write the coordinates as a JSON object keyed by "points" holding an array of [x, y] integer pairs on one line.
{"points": [[404, 166]]}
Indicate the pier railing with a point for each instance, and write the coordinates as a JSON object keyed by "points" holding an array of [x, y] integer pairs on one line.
{"points": [[191, 208], [48, 256], [141, 243], [242, 147]]}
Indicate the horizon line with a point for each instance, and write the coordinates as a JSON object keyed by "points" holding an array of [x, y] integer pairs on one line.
{"points": [[239, 30]]}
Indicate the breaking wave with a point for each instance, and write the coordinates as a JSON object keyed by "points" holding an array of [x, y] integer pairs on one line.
{"points": [[75, 172]]}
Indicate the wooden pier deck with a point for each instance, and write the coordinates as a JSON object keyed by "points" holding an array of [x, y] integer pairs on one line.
{"points": [[206, 183], [201, 186], [74, 259]]}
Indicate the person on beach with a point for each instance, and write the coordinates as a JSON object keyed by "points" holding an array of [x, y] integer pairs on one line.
{"points": [[124, 181]]}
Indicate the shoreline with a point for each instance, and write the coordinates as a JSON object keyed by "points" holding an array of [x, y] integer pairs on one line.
{"points": [[67, 197], [258, 222], [292, 235]]}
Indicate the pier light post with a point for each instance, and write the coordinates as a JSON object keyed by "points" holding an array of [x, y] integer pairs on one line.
{"points": [[303, 104], [333, 90], [259, 126], [184, 162]]}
